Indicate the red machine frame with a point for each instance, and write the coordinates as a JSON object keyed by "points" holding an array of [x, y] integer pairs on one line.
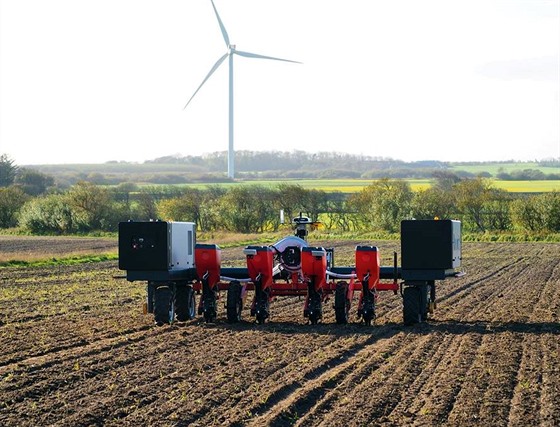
{"points": [[310, 278]]}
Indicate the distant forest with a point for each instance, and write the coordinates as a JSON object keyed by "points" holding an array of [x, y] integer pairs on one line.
{"points": [[211, 168], [300, 164]]}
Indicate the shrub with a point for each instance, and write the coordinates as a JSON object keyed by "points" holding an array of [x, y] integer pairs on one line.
{"points": [[11, 201], [48, 215]]}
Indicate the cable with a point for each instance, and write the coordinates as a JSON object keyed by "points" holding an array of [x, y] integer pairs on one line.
{"points": [[341, 276]]}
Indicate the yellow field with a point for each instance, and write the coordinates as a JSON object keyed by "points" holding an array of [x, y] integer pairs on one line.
{"points": [[355, 185], [528, 186]]}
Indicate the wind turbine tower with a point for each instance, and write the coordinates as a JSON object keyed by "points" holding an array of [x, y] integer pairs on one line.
{"points": [[231, 51]]}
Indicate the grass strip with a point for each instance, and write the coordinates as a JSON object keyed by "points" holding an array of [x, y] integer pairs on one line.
{"points": [[71, 260]]}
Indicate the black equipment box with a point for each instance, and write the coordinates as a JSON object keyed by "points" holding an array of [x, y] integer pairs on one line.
{"points": [[430, 247], [156, 245]]}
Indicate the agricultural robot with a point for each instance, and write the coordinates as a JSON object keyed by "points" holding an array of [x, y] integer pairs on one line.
{"points": [[177, 270]]}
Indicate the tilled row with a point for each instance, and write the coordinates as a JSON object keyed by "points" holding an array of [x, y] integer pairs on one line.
{"points": [[488, 355]]}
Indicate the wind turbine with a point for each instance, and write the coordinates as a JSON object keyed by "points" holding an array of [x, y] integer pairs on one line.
{"points": [[231, 50]]}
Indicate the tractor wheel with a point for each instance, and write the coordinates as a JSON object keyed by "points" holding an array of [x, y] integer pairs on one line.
{"points": [[150, 300], [164, 310], [341, 303], [184, 303], [234, 302], [424, 290], [412, 305], [192, 305]]}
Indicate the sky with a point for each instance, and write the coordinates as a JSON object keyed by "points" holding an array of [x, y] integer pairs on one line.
{"points": [[84, 81]]}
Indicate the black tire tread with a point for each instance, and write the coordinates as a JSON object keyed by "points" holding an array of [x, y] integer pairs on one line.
{"points": [[412, 307], [341, 306], [184, 308], [162, 303]]}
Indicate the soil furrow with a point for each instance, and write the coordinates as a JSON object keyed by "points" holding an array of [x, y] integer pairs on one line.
{"points": [[516, 297], [488, 388], [256, 373], [372, 396], [46, 356], [313, 361], [525, 403], [403, 411], [489, 290], [435, 400], [293, 401], [76, 351], [548, 302], [549, 403], [341, 393], [60, 374]]}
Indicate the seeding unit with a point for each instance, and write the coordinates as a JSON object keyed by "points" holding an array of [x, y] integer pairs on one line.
{"points": [[177, 269]]}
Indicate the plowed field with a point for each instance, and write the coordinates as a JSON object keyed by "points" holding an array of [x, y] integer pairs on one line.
{"points": [[75, 349]]}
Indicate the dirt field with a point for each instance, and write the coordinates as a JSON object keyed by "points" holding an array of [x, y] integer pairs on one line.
{"points": [[30, 248], [75, 350]]}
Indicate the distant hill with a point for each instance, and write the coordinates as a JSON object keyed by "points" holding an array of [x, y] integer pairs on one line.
{"points": [[287, 165]]}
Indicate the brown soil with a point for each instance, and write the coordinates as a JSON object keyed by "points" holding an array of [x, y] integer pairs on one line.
{"points": [[76, 350], [29, 248]]}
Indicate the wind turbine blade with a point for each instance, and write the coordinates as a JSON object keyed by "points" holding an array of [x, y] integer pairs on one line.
{"points": [[224, 32], [255, 55], [214, 68]]}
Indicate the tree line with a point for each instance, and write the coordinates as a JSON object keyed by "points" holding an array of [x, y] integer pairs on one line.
{"points": [[87, 207], [30, 202]]}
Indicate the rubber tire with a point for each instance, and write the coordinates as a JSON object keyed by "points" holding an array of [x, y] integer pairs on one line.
{"points": [[234, 302], [424, 290], [163, 305], [150, 289], [341, 303], [185, 304], [412, 305]]}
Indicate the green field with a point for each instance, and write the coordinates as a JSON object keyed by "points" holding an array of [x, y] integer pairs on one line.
{"points": [[136, 172], [124, 168], [495, 168]]}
